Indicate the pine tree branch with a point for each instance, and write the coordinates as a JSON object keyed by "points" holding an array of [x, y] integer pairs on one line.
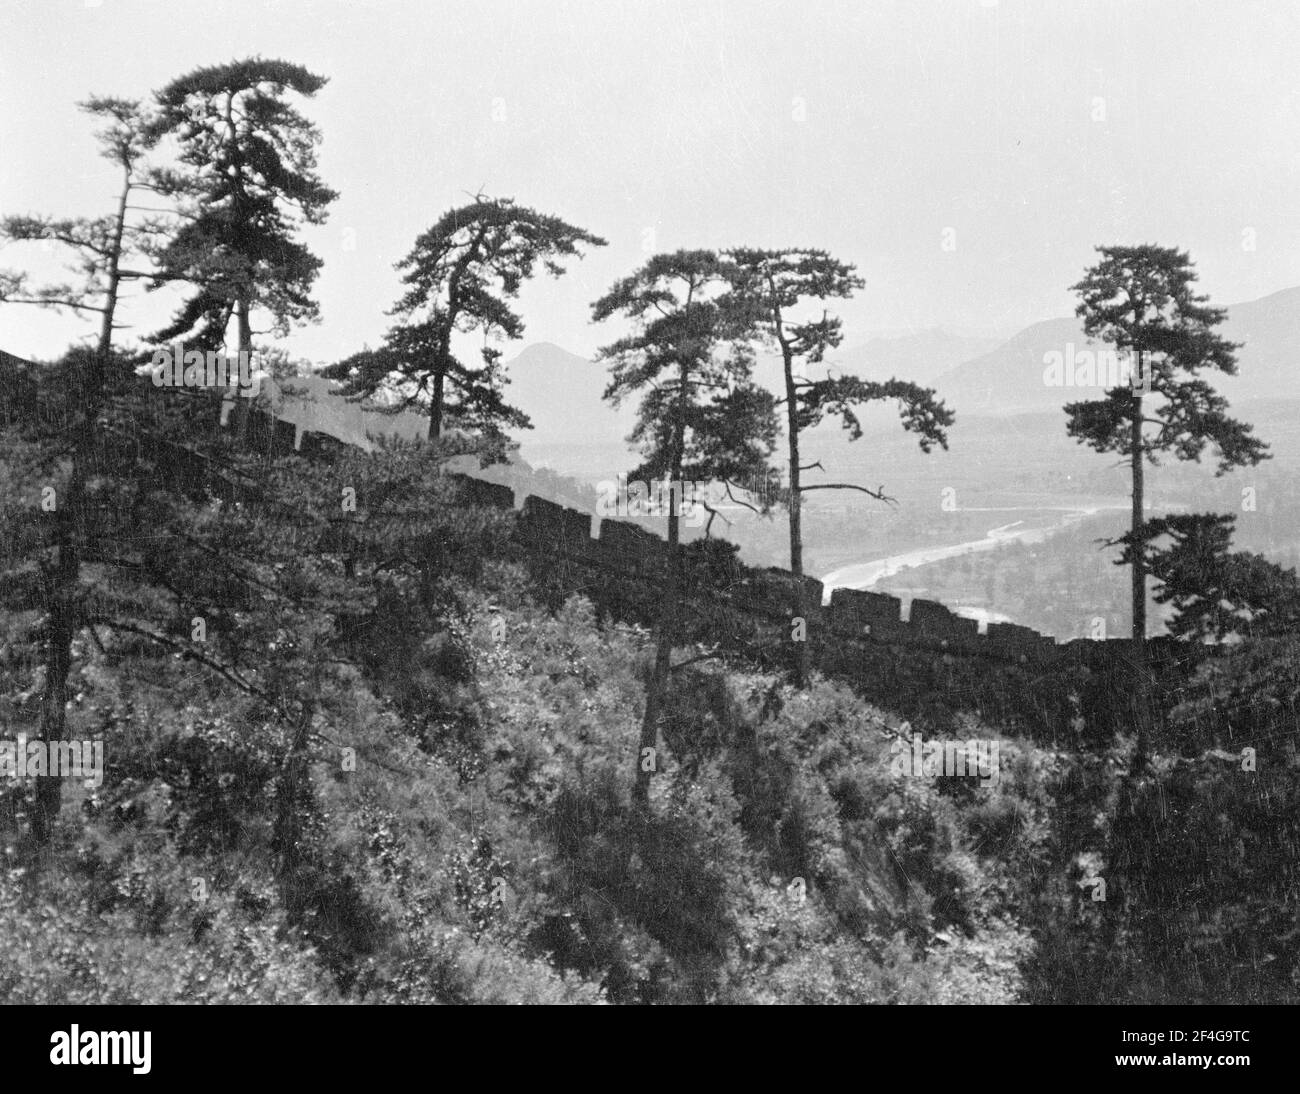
{"points": [[879, 493], [190, 654]]}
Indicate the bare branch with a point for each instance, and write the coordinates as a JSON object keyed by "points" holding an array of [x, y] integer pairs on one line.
{"points": [[737, 500], [879, 493], [50, 302]]}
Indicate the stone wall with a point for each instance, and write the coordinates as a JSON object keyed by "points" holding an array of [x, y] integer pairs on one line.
{"points": [[764, 595]]}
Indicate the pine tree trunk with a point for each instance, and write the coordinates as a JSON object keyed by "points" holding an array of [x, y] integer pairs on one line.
{"points": [[796, 511], [654, 704], [63, 615], [243, 411], [292, 798], [1139, 591], [435, 407], [657, 692], [62, 627]]}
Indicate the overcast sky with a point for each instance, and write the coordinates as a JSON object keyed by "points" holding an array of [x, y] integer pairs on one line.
{"points": [[1021, 134]]}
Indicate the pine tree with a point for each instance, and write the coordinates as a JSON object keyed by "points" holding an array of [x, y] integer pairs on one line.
{"points": [[462, 275], [248, 179], [776, 286], [1141, 300], [1215, 591], [47, 429], [701, 418]]}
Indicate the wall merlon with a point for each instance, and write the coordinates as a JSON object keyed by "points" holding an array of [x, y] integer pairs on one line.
{"points": [[630, 542], [854, 610], [1013, 637], [935, 620], [487, 494], [577, 530], [773, 590], [541, 521]]}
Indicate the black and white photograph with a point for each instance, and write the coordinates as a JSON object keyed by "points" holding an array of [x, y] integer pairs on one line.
{"points": [[655, 502]]}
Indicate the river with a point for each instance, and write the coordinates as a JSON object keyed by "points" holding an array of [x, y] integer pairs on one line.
{"points": [[863, 575]]}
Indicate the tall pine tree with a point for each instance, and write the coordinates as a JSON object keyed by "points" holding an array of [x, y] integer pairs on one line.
{"points": [[701, 418], [777, 288], [1142, 301], [247, 180], [462, 276]]}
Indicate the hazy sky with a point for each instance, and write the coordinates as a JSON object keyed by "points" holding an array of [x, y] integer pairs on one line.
{"points": [[1022, 134]]}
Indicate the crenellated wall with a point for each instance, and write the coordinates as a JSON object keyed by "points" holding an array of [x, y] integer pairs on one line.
{"points": [[766, 595]]}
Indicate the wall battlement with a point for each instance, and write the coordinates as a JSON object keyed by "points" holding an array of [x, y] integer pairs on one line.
{"points": [[762, 594], [735, 592]]}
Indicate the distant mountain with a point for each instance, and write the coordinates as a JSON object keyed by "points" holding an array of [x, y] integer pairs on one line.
{"points": [[920, 357], [1010, 378], [559, 390], [562, 393], [576, 432], [1270, 358]]}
